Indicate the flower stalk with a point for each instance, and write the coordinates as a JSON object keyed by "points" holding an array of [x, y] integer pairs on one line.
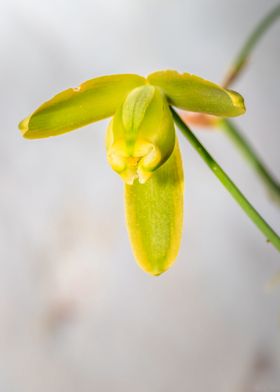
{"points": [[229, 127], [242, 57], [239, 140], [247, 207]]}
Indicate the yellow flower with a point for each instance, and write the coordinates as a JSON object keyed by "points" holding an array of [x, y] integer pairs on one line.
{"points": [[141, 146]]}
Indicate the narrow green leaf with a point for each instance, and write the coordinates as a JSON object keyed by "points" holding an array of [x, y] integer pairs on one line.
{"points": [[93, 100], [154, 213], [195, 94]]}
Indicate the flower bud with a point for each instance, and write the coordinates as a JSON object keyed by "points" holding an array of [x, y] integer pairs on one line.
{"points": [[141, 135]]}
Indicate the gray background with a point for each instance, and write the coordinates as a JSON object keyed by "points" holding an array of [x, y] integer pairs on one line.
{"points": [[76, 313]]}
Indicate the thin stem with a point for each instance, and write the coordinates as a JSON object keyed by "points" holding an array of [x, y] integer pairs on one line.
{"points": [[243, 55], [252, 157], [228, 183]]}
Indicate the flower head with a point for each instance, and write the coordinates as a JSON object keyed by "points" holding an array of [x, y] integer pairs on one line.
{"points": [[141, 146]]}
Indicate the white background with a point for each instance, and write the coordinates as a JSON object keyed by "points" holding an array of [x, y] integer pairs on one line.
{"points": [[76, 313]]}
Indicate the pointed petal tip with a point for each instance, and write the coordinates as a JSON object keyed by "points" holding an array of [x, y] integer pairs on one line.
{"points": [[155, 271], [158, 273], [23, 126], [238, 102], [155, 267]]}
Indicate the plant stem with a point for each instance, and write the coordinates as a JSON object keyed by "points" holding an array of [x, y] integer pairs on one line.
{"points": [[252, 157], [243, 55], [228, 126], [255, 217]]}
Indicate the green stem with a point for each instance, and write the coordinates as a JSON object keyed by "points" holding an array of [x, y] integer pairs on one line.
{"points": [[252, 157], [242, 57], [227, 182]]}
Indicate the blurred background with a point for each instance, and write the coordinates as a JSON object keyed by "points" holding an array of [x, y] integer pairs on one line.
{"points": [[76, 312]]}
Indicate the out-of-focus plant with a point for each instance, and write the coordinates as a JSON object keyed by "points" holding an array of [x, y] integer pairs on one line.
{"points": [[228, 126], [143, 149]]}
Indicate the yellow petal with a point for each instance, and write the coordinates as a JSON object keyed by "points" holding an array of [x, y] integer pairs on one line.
{"points": [[93, 100], [154, 214], [195, 94]]}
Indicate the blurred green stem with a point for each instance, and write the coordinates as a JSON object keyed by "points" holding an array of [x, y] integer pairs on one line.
{"points": [[242, 57], [228, 126], [227, 183], [252, 157]]}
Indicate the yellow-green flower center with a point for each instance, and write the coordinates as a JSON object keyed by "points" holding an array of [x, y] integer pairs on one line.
{"points": [[141, 137]]}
